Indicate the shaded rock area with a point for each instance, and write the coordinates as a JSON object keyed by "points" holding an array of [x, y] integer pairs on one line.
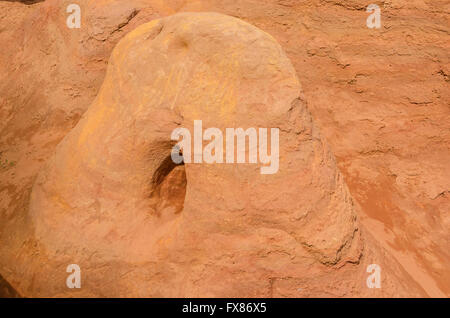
{"points": [[6, 290]]}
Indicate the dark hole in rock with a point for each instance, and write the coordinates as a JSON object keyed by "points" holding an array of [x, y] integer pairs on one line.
{"points": [[6, 290], [168, 188]]}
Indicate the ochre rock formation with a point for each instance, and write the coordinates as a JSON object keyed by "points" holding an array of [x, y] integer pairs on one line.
{"points": [[379, 96], [109, 201]]}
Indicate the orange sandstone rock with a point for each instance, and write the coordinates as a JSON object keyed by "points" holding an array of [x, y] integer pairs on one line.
{"points": [[220, 229], [380, 97]]}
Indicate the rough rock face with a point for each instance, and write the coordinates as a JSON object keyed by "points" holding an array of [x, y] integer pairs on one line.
{"points": [[91, 205], [380, 98]]}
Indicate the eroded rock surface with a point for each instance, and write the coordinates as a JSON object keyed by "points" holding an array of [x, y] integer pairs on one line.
{"points": [[379, 97], [93, 203]]}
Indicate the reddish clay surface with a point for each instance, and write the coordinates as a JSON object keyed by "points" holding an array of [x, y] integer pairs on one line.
{"points": [[371, 187]]}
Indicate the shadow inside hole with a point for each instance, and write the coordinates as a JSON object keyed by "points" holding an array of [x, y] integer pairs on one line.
{"points": [[168, 187], [6, 290]]}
